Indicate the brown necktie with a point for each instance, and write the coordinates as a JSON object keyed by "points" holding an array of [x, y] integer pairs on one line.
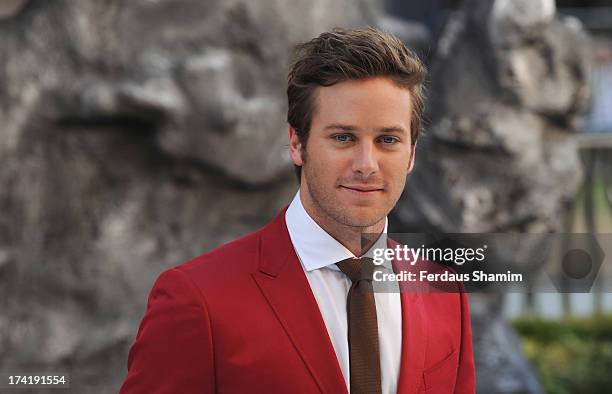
{"points": [[362, 327]]}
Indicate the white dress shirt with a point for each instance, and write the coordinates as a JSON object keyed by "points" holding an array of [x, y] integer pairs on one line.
{"points": [[319, 252]]}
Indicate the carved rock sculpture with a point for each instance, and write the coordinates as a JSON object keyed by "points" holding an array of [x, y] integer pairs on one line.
{"points": [[134, 135]]}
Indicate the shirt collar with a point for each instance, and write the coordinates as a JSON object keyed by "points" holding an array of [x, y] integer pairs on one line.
{"points": [[314, 246]]}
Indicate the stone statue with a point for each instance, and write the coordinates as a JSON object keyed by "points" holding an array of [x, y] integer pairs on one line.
{"points": [[135, 135]]}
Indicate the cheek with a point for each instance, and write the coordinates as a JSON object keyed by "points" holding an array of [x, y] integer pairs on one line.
{"points": [[400, 181], [396, 175], [328, 164]]}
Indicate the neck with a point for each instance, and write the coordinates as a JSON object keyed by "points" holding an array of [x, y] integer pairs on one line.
{"points": [[349, 236]]}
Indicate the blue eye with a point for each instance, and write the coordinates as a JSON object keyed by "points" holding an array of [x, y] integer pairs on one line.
{"points": [[342, 137], [388, 140]]}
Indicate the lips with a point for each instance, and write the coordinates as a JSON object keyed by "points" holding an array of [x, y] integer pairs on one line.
{"points": [[363, 189]]}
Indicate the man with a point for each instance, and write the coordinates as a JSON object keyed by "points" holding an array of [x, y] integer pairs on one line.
{"points": [[288, 308]]}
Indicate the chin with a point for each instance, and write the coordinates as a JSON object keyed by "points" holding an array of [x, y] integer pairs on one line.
{"points": [[362, 217]]}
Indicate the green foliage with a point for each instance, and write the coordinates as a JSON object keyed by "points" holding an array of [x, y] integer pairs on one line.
{"points": [[571, 355]]}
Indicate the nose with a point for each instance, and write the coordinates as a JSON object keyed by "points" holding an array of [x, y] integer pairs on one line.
{"points": [[365, 160]]}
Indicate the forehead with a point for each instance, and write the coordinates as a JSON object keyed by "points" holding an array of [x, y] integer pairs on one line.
{"points": [[371, 102]]}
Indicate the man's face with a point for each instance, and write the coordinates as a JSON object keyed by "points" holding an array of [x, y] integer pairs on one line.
{"points": [[358, 152]]}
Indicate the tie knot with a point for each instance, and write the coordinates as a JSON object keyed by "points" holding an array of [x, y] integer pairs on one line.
{"points": [[357, 268]]}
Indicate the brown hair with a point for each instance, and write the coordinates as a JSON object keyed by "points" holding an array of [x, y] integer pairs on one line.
{"points": [[350, 54]]}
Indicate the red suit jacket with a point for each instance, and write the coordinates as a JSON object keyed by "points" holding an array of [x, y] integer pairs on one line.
{"points": [[243, 319]]}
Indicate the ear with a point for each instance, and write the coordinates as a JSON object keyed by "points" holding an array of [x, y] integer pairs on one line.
{"points": [[295, 147], [412, 155]]}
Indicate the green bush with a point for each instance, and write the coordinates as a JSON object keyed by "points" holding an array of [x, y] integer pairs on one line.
{"points": [[571, 355]]}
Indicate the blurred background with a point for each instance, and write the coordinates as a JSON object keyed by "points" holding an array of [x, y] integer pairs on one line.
{"points": [[137, 134]]}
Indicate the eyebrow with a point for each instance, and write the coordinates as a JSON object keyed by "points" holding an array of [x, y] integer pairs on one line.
{"points": [[345, 127]]}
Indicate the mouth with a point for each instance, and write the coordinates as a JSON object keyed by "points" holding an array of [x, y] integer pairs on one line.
{"points": [[363, 190]]}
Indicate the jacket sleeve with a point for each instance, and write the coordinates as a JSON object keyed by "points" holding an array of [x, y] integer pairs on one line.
{"points": [[173, 351], [466, 379]]}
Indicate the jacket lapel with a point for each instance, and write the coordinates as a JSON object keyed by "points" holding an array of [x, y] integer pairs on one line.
{"points": [[283, 283]]}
